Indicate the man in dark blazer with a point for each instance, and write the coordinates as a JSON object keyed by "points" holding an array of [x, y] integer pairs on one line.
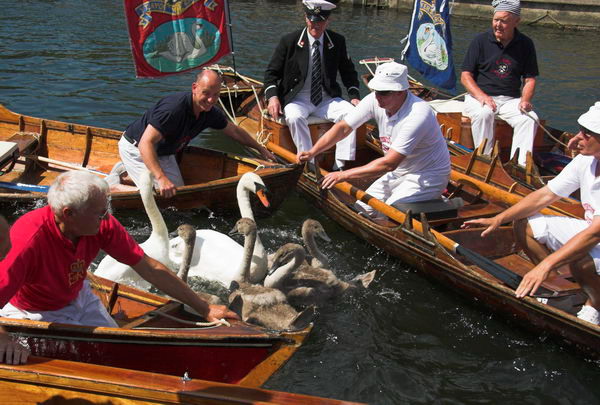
{"points": [[300, 79]]}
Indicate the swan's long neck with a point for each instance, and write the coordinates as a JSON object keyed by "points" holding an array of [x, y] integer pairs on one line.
{"points": [[159, 227], [249, 242], [276, 279], [308, 236], [243, 197]]}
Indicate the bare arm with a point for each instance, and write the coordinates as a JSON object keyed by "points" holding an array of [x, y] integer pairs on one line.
{"points": [[335, 134], [528, 206], [147, 147], [577, 247], [243, 137], [374, 168], [467, 80], [165, 280], [527, 94]]}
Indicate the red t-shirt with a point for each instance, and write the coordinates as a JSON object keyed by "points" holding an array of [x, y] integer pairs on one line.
{"points": [[44, 270]]}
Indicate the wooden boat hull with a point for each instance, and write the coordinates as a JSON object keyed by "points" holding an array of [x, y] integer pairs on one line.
{"points": [[211, 177], [51, 381], [242, 354]]}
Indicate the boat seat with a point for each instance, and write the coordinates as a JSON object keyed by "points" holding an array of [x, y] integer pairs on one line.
{"points": [[433, 209], [9, 152], [554, 282]]}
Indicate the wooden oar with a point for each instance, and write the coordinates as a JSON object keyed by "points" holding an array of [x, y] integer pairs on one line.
{"points": [[495, 269]]}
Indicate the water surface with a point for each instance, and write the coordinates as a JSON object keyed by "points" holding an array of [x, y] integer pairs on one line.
{"points": [[406, 339]]}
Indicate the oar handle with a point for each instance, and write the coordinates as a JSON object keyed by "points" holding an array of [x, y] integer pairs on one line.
{"points": [[378, 205]]}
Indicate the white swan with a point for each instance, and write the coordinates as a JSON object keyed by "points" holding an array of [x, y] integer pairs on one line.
{"points": [[156, 246], [305, 285], [216, 256], [257, 304]]}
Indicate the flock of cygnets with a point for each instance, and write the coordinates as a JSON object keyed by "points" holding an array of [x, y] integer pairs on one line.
{"points": [[267, 290]]}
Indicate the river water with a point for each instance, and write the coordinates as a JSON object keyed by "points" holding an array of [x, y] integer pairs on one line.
{"points": [[405, 339]]}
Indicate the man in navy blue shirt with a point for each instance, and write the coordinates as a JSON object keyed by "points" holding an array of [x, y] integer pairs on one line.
{"points": [[168, 126], [494, 65]]}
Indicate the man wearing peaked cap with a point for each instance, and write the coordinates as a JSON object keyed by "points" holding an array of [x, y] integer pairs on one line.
{"points": [[416, 163], [554, 241], [301, 79], [499, 72]]}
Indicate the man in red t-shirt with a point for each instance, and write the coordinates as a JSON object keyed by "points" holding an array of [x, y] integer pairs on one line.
{"points": [[43, 277]]}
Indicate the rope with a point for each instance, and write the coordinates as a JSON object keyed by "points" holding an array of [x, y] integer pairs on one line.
{"points": [[220, 322], [545, 130]]}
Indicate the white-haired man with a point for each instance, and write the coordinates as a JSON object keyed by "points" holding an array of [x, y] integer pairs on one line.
{"points": [[554, 241], [301, 79], [416, 164], [494, 65], [43, 276]]}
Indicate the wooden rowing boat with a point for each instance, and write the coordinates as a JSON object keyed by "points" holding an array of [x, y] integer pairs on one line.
{"points": [[50, 381], [154, 337], [46, 148], [437, 246]]}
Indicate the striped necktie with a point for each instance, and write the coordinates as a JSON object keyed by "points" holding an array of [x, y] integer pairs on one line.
{"points": [[316, 92]]}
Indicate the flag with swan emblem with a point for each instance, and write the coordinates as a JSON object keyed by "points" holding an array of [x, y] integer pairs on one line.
{"points": [[429, 46], [174, 36]]}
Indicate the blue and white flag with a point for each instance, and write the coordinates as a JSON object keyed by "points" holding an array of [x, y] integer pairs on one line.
{"points": [[429, 46]]}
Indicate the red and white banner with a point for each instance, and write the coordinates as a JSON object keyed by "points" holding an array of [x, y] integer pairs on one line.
{"points": [[174, 36]]}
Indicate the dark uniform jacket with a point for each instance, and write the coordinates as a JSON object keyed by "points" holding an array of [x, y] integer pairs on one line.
{"points": [[287, 70]]}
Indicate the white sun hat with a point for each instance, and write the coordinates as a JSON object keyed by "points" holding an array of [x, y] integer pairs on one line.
{"points": [[591, 119], [390, 76]]}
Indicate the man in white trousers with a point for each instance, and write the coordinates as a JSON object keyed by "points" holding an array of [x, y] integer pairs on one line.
{"points": [[494, 65], [300, 79]]}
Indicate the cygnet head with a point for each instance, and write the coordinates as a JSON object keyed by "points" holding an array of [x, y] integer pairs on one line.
{"points": [[285, 254], [244, 227], [187, 233], [314, 227]]}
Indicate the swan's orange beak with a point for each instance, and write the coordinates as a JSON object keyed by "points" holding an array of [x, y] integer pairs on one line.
{"points": [[262, 196]]}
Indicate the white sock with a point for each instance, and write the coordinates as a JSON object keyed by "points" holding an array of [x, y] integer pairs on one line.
{"points": [[589, 314]]}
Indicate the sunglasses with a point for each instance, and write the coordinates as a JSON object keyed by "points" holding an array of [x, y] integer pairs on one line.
{"points": [[587, 132], [384, 93]]}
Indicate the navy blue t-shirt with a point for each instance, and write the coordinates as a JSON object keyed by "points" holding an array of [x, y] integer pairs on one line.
{"points": [[498, 70], [174, 117]]}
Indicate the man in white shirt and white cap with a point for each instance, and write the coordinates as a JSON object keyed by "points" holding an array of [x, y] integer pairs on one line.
{"points": [[499, 72], [555, 241], [416, 163], [301, 79]]}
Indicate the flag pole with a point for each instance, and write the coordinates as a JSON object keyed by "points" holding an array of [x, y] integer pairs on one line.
{"points": [[231, 36]]}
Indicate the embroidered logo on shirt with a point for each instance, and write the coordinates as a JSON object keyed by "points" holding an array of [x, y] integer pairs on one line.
{"points": [[77, 271], [502, 68]]}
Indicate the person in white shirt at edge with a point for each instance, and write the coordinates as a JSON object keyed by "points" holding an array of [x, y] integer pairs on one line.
{"points": [[416, 163], [492, 69], [293, 83], [554, 241]]}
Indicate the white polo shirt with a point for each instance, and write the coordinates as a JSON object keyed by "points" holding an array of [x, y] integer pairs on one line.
{"points": [[580, 174], [413, 132]]}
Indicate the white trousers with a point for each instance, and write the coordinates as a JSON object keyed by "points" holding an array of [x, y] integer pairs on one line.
{"points": [[555, 231], [507, 108], [86, 309], [331, 109], [391, 188], [132, 160]]}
